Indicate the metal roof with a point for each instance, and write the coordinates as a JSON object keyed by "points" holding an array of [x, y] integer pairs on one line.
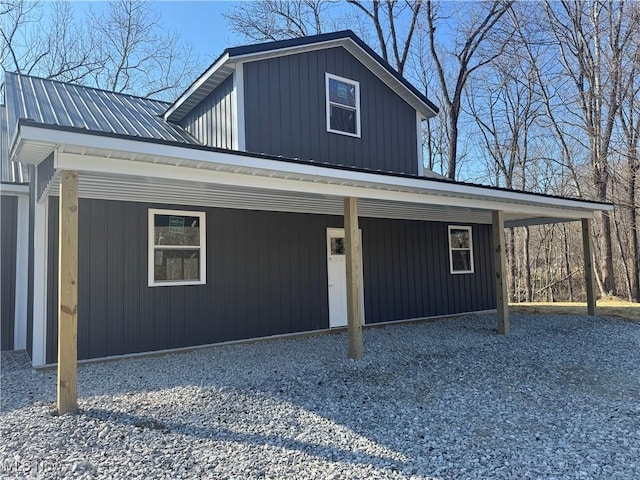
{"points": [[10, 172], [225, 65], [60, 104]]}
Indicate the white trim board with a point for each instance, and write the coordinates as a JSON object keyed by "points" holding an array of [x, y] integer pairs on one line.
{"points": [[22, 277], [13, 189], [201, 160], [40, 254], [240, 124], [322, 185]]}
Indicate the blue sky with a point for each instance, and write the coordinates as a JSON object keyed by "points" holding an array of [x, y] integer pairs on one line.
{"points": [[199, 23]]}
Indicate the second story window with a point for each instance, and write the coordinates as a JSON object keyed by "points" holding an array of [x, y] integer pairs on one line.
{"points": [[343, 106]]}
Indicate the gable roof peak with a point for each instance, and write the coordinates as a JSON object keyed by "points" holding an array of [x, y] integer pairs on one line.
{"points": [[225, 64]]}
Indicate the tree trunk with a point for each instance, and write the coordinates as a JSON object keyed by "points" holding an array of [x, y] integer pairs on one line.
{"points": [[453, 144], [625, 265], [527, 266], [606, 249], [566, 263], [635, 237], [513, 272]]}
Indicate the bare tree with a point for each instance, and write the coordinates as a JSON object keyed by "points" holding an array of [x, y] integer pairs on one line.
{"points": [[279, 19], [469, 54], [393, 21], [122, 48], [134, 51], [505, 106], [384, 16], [592, 38]]}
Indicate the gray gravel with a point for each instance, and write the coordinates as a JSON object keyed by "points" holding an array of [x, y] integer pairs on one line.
{"points": [[557, 398]]}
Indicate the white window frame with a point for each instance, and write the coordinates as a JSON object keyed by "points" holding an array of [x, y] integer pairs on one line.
{"points": [[451, 249], [151, 247], [329, 103]]}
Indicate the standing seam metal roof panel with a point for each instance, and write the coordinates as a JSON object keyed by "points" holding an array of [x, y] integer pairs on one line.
{"points": [[10, 172], [62, 104]]}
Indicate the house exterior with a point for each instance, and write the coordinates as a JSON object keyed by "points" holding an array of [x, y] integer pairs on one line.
{"points": [[221, 216]]}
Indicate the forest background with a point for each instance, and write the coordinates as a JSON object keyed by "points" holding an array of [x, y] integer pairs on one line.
{"points": [[536, 96]]}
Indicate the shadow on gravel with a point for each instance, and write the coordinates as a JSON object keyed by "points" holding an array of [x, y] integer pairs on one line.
{"points": [[325, 452], [427, 395]]}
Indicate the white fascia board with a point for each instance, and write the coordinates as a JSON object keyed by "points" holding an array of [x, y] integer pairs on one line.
{"points": [[14, 189], [110, 166], [353, 48], [252, 57], [196, 85], [453, 193], [419, 144], [390, 80], [239, 138]]}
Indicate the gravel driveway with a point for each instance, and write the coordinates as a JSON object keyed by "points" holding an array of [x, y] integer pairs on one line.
{"points": [[557, 398]]}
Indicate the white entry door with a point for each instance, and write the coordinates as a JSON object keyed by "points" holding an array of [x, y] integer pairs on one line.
{"points": [[337, 275]]}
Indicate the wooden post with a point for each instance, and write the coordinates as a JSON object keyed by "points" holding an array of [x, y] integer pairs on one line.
{"points": [[587, 247], [500, 264], [68, 294], [354, 280]]}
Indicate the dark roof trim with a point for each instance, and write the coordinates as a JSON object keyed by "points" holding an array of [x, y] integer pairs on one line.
{"points": [[296, 42], [234, 52], [30, 123]]}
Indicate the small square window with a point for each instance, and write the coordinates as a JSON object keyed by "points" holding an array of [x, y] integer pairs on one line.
{"points": [[343, 105], [460, 249], [337, 246], [176, 247]]}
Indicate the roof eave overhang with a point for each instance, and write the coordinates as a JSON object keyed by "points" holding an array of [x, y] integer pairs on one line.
{"points": [[224, 66], [129, 157]]}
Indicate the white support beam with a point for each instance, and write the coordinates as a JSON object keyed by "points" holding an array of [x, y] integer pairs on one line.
{"points": [[40, 266], [499, 261], [354, 278], [359, 185], [419, 144], [68, 294], [239, 137], [22, 274], [587, 245]]}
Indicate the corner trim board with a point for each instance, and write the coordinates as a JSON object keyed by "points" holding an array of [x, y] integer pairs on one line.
{"points": [[40, 261], [239, 138], [22, 276]]}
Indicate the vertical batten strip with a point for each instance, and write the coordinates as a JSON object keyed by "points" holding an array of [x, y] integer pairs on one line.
{"points": [[499, 261], [587, 245], [68, 293], [354, 279]]}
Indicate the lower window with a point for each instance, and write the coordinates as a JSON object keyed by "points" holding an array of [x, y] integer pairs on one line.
{"points": [[176, 247], [460, 249]]}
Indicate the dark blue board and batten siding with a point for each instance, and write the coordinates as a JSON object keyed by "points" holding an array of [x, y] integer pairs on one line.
{"points": [[212, 120], [285, 113], [266, 275], [8, 244]]}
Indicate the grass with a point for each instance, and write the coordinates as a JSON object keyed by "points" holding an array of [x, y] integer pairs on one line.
{"points": [[608, 307]]}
